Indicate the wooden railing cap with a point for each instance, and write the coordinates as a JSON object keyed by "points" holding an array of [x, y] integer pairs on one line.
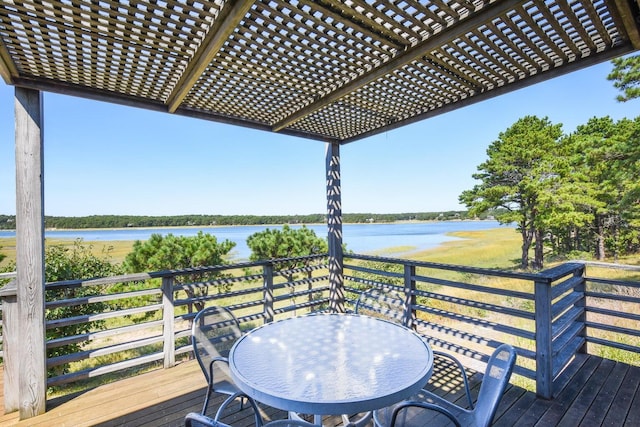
{"points": [[9, 290]]}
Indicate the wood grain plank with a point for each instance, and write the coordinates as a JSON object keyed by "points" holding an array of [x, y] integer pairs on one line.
{"points": [[518, 413], [633, 416], [510, 398], [583, 401], [555, 410], [162, 398], [624, 398], [607, 396]]}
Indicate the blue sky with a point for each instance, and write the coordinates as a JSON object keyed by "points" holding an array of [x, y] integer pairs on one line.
{"points": [[108, 159]]}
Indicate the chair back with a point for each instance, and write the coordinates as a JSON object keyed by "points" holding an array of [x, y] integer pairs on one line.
{"points": [[494, 383], [213, 333], [385, 303]]}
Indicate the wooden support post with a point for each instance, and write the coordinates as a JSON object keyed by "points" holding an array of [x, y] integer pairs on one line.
{"points": [[409, 296], [10, 344], [30, 251], [544, 347], [267, 292], [168, 321], [582, 304], [334, 226]]}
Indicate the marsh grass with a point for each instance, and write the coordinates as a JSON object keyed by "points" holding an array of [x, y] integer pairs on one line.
{"points": [[116, 250], [494, 248]]}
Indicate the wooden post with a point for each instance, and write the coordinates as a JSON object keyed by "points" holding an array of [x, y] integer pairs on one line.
{"points": [[582, 303], [410, 297], [30, 251], [168, 321], [544, 347], [334, 226], [267, 292], [10, 343]]}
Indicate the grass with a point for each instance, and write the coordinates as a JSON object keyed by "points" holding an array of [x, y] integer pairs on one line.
{"points": [[116, 249], [495, 248]]}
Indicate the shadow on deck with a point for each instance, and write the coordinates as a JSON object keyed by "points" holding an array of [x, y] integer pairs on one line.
{"points": [[596, 392]]}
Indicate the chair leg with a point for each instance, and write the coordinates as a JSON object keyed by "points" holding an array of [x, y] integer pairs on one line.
{"points": [[240, 395], [256, 411], [317, 419], [360, 422], [206, 400]]}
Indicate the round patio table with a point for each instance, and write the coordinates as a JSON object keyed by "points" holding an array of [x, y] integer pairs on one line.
{"points": [[330, 364]]}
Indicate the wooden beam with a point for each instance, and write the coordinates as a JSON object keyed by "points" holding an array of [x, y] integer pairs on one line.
{"points": [[328, 7], [225, 24], [30, 251], [629, 13], [136, 102], [7, 70], [537, 78], [402, 59]]}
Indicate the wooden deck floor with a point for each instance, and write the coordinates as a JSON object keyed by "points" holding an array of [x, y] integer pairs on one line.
{"points": [[596, 392]]}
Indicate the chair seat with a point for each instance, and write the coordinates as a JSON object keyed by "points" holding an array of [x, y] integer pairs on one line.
{"points": [[226, 387]]}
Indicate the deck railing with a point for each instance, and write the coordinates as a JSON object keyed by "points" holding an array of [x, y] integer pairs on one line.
{"points": [[113, 325], [612, 309], [4, 278], [116, 325], [548, 316]]}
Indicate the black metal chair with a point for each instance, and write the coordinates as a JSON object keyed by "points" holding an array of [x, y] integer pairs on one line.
{"points": [[496, 378], [213, 333]]}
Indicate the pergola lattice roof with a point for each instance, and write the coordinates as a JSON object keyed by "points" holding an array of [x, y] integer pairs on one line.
{"points": [[324, 69]]}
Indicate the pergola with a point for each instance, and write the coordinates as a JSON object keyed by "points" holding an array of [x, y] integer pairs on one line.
{"points": [[334, 71]]}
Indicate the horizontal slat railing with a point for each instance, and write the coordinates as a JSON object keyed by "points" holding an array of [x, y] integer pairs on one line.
{"points": [[131, 322], [612, 294], [464, 310], [469, 311], [4, 279]]}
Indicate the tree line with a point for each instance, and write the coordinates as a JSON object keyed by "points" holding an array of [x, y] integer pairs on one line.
{"points": [[570, 195], [7, 222]]}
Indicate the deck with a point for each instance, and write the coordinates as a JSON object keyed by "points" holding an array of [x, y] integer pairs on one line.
{"points": [[595, 392]]}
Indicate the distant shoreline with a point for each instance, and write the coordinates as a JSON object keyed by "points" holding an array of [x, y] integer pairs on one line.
{"points": [[410, 236], [258, 225], [8, 222]]}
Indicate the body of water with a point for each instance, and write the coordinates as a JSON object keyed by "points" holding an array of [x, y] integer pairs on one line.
{"points": [[360, 238]]}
